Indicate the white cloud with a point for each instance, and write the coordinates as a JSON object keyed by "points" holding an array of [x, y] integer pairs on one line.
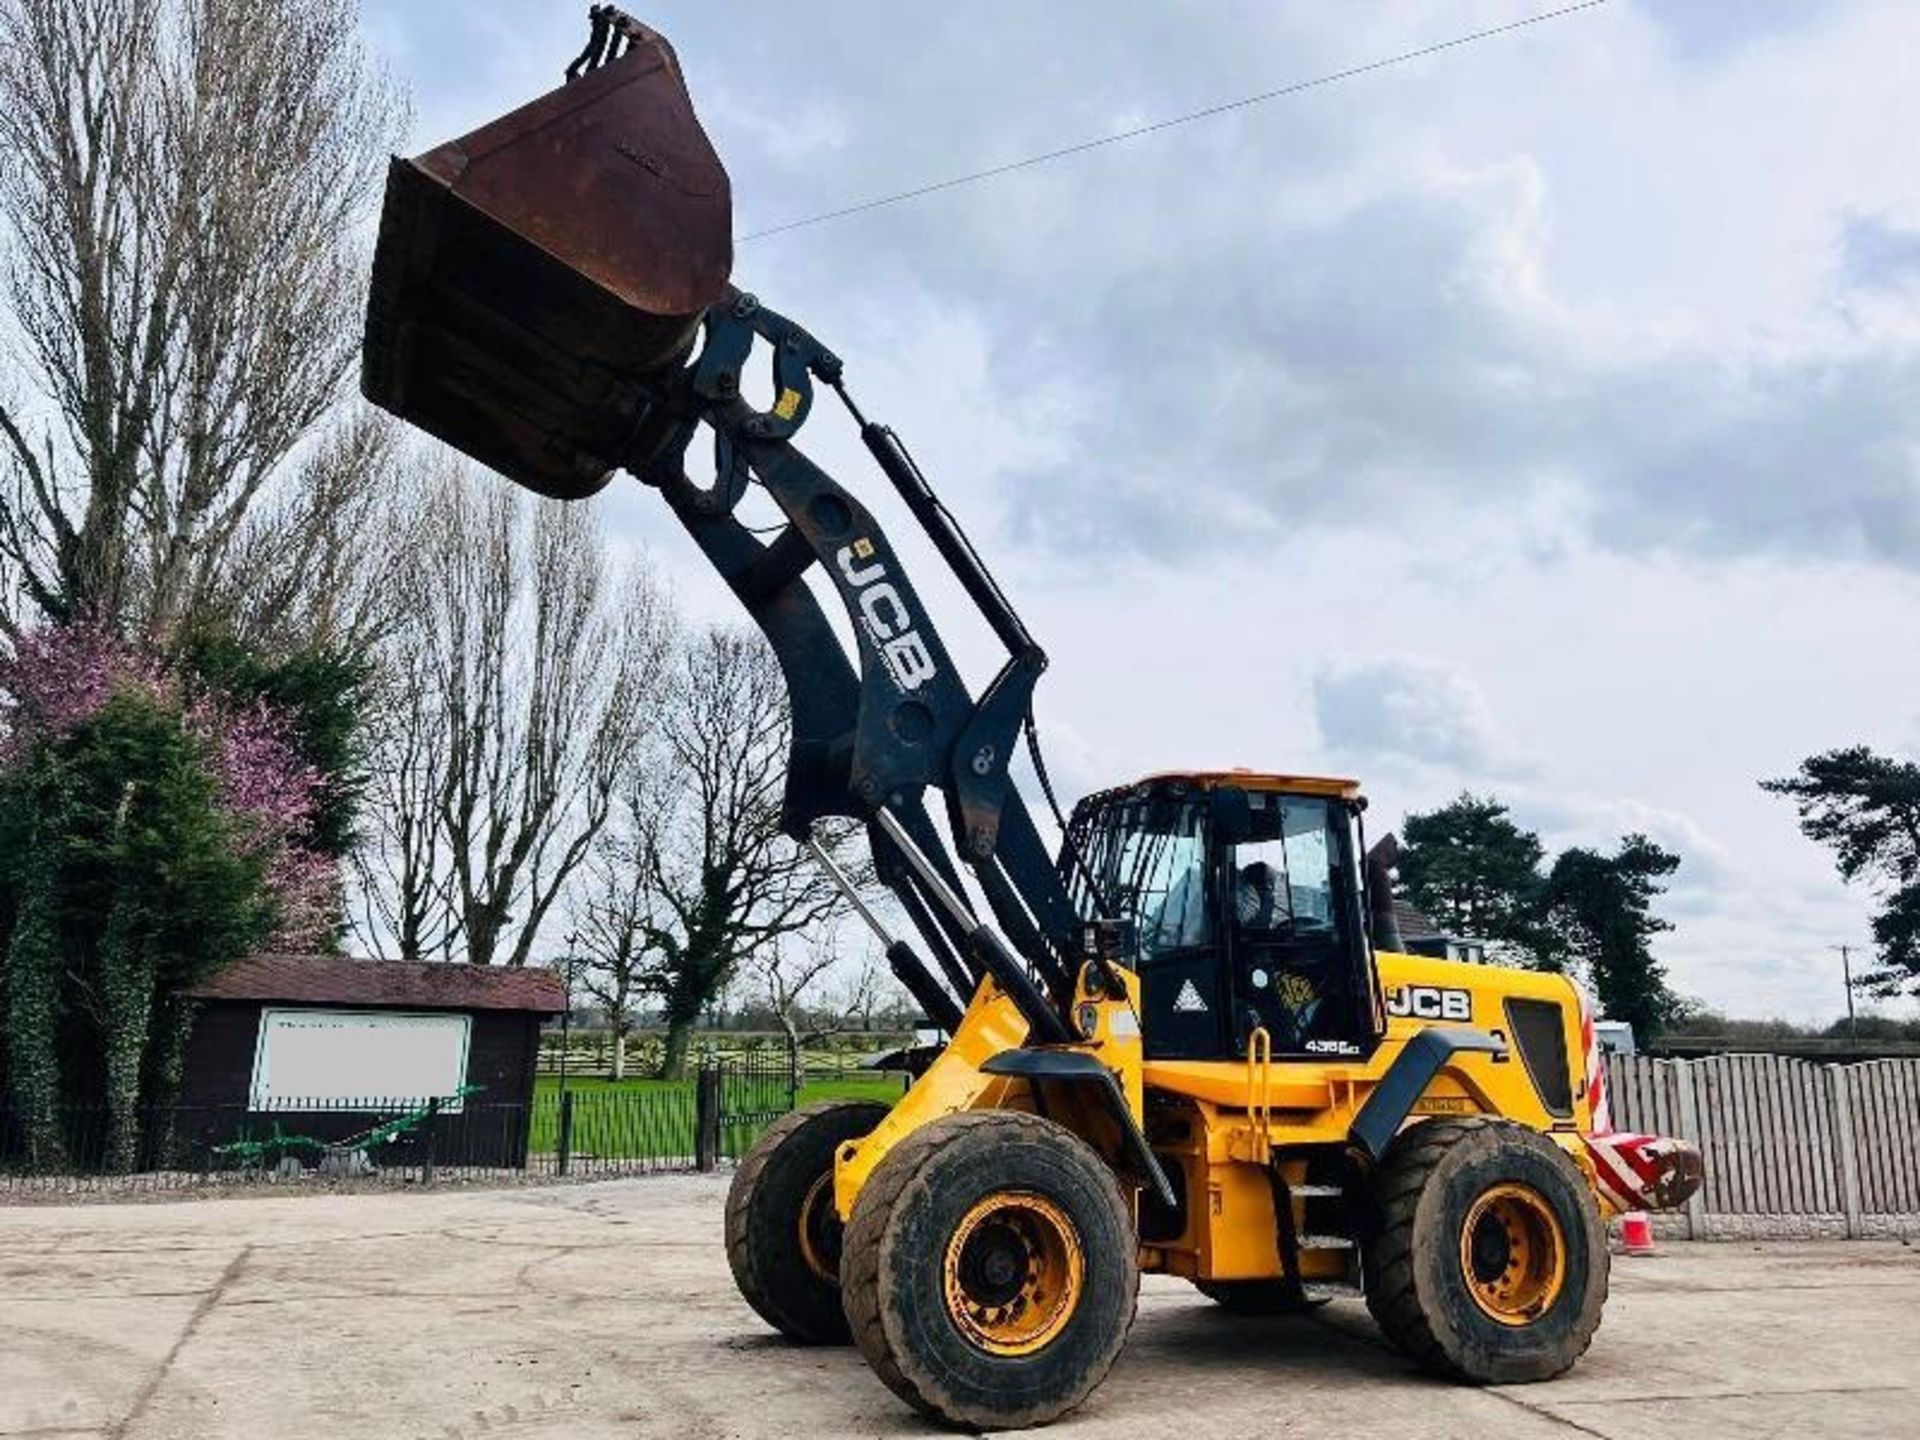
{"points": [[1538, 416], [1409, 709]]}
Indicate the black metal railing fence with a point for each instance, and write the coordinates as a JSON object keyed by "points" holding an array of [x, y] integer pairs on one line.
{"points": [[590, 1131]]}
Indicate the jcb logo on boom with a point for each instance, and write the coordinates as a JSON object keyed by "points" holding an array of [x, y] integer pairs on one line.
{"points": [[1429, 1002], [885, 618]]}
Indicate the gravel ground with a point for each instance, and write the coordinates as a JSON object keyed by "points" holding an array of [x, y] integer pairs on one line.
{"points": [[606, 1310]]}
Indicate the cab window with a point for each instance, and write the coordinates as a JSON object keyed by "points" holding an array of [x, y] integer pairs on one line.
{"points": [[1150, 857], [1283, 872]]}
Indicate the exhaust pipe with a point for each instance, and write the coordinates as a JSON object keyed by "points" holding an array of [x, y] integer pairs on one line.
{"points": [[530, 276], [1383, 923]]}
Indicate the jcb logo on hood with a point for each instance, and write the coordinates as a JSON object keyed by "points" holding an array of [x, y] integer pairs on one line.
{"points": [[884, 616], [1429, 1002]]}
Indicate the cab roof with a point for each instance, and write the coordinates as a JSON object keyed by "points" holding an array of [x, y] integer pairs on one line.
{"points": [[1259, 780]]}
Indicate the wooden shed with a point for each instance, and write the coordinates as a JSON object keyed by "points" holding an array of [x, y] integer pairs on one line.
{"points": [[325, 1046]]}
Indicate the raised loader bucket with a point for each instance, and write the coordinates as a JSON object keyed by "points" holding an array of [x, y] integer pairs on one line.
{"points": [[529, 272]]}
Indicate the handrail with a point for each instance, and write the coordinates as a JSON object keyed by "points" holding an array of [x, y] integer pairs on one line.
{"points": [[1260, 1068]]}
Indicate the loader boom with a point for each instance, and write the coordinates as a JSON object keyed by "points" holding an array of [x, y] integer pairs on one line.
{"points": [[874, 732], [550, 296]]}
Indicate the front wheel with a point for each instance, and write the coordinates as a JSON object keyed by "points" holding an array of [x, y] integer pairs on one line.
{"points": [[783, 1234], [1490, 1260], [990, 1270]]}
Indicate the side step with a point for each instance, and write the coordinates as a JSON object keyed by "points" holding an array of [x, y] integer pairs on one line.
{"points": [[1331, 1290], [1325, 1287], [1322, 1214]]}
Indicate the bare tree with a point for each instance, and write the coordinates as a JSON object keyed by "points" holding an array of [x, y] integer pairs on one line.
{"points": [[521, 680], [322, 559], [789, 973], [546, 681], [183, 185], [618, 912], [402, 878], [727, 882]]}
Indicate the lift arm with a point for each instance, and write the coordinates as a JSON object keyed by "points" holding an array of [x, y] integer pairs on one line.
{"points": [[871, 738]]}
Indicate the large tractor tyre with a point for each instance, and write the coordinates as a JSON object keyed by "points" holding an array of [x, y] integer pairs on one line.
{"points": [[783, 1234], [990, 1270], [1489, 1263], [1258, 1297]]}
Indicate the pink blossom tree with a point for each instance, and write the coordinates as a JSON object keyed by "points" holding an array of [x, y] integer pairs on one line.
{"points": [[60, 676]]}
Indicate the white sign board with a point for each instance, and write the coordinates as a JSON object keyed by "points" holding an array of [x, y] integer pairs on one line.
{"points": [[357, 1059]]}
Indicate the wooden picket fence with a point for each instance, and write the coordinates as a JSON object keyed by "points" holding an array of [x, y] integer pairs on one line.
{"points": [[1790, 1147]]}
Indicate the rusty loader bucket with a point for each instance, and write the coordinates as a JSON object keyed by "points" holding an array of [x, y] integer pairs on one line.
{"points": [[531, 274]]}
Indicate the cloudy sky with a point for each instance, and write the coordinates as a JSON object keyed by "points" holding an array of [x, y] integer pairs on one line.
{"points": [[1536, 417]]}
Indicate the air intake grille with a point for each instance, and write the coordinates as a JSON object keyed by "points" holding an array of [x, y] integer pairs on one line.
{"points": [[1540, 1031]]}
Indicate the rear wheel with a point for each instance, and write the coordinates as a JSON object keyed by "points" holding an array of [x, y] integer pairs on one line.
{"points": [[990, 1270], [783, 1233], [1490, 1263]]}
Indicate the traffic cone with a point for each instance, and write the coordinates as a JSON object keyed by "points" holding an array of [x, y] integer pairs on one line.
{"points": [[1636, 1233]]}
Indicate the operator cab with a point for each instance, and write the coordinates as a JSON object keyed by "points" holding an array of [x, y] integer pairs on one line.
{"points": [[1241, 899]]}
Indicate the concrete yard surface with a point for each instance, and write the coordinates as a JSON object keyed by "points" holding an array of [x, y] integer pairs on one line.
{"points": [[606, 1310]]}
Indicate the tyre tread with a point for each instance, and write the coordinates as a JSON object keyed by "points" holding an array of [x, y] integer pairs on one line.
{"points": [[754, 1287], [861, 1255], [1392, 1293]]}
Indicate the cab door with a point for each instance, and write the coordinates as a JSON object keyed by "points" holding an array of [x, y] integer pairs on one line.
{"points": [[1298, 962]]}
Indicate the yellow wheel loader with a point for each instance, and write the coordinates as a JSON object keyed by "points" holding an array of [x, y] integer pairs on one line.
{"points": [[1187, 1040]]}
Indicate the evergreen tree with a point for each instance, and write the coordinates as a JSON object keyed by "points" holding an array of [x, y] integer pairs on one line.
{"points": [[1472, 870], [1599, 908], [1866, 807], [131, 886], [32, 994]]}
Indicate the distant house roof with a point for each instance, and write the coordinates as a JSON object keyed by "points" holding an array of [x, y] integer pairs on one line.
{"points": [[332, 980], [1414, 924]]}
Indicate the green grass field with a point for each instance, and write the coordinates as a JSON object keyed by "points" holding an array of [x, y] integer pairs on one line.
{"points": [[654, 1119]]}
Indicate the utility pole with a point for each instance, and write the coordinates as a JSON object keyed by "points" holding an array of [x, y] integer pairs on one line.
{"points": [[1846, 972]]}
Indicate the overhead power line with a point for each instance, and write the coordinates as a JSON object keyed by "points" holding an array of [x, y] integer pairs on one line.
{"points": [[1158, 125]]}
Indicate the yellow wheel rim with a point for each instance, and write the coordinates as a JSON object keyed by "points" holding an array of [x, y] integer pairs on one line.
{"points": [[1013, 1273], [820, 1230], [1514, 1254]]}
